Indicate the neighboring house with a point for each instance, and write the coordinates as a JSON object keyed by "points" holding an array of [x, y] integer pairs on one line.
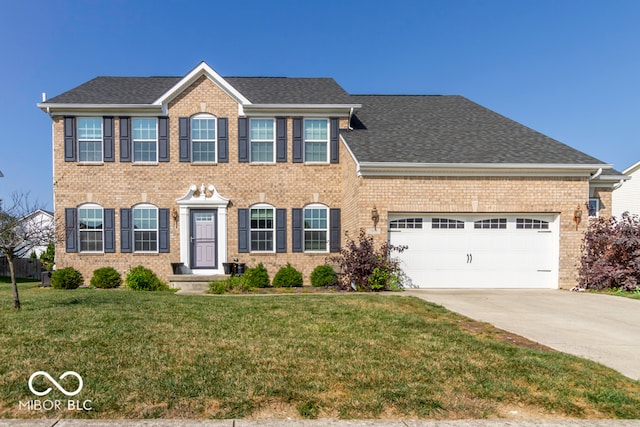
{"points": [[626, 197], [38, 223], [204, 169]]}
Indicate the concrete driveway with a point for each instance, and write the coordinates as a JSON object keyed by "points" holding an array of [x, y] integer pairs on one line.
{"points": [[602, 328]]}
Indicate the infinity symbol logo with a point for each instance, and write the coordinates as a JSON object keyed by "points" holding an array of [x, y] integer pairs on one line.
{"points": [[55, 383]]}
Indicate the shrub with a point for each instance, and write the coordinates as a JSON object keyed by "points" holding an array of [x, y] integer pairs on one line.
{"points": [[256, 277], [359, 261], [611, 254], [323, 275], [106, 277], [219, 286], [287, 277], [143, 279], [66, 278]]}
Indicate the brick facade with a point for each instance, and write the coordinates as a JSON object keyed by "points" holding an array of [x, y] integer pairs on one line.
{"points": [[291, 185]]}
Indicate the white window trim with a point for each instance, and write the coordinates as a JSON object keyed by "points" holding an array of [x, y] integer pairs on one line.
{"points": [[326, 230], [101, 140], [273, 229], [305, 140], [90, 206], [272, 141], [157, 229], [133, 142], [215, 138]]}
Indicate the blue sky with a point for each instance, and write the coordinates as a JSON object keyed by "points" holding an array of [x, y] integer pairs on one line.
{"points": [[567, 68]]}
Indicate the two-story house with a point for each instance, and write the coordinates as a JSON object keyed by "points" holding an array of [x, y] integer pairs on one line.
{"points": [[202, 169]]}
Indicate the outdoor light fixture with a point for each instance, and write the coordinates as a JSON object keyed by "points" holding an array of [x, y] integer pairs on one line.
{"points": [[174, 215], [577, 216], [375, 217]]}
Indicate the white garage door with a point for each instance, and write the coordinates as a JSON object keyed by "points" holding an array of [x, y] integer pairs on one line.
{"points": [[477, 251]]}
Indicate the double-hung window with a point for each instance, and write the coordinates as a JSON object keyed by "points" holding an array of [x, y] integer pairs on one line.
{"points": [[145, 228], [262, 228], [203, 138], [316, 140], [90, 139], [145, 140], [316, 227], [262, 135], [91, 228]]}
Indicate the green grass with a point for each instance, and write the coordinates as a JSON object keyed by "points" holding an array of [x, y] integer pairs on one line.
{"points": [[152, 355]]}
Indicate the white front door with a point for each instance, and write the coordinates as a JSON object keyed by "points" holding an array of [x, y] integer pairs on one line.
{"points": [[477, 251]]}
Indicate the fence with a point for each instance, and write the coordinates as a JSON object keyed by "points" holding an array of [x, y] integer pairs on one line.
{"points": [[26, 268]]}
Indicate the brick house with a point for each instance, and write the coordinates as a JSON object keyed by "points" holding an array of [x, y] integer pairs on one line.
{"points": [[202, 170]]}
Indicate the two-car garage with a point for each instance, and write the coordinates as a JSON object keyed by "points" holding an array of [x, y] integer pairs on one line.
{"points": [[476, 250]]}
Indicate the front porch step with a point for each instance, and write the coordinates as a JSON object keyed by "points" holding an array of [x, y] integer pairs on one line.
{"points": [[191, 283]]}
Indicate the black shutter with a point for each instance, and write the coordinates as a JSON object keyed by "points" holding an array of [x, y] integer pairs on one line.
{"points": [[163, 139], [108, 154], [243, 231], [334, 153], [297, 230], [223, 140], [184, 139], [281, 230], [281, 139], [297, 140], [69, 139], [109, 231], [126, 231], [163, 230], [125, 139], [71, 229], [334, 230], [243, 139]]}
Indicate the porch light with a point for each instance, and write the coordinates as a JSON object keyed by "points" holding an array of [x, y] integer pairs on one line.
{"points": [[375, 217], [174, 215], [577, 216]]}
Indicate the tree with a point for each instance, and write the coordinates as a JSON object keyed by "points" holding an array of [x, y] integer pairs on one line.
{"points": [[19, 234]]}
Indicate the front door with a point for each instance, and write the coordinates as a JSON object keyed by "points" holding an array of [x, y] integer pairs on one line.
{"points": [[203, 239]]}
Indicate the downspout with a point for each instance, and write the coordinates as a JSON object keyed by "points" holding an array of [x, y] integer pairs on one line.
{"points": [[618, 185], [350, 115], [597, 174]]}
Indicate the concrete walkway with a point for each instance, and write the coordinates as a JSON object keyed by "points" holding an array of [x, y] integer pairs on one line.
{"points": [[602, 328]]}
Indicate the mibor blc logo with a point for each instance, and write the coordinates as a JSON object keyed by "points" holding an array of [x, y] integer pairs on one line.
{"points": [[48, 405]]}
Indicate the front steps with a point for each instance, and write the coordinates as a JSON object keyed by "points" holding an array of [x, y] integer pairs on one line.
{"points": [[191, 283]]}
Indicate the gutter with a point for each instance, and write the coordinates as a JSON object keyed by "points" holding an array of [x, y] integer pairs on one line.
{"points": [[478, 169]]}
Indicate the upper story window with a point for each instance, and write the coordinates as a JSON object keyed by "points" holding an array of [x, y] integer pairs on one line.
{"points": [[91, 228], [262, 135], [203, 138], [145, 140], [90, 139], [316, 140], [145, 228], [262, 228], [316, 228]]}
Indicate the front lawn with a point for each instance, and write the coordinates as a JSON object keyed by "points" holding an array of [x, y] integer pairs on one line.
{"points": [[160, 355]]}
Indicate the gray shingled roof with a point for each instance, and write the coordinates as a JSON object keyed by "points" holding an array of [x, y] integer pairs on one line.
{"points": [[258, 90], [288, 90], [117, 90], [447, 129]]}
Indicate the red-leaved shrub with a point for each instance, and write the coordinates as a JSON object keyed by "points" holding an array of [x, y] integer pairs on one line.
{"points": [[611, 254]]}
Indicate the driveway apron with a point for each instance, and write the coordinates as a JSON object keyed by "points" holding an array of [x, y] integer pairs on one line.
{"points": [[602, 328]]}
